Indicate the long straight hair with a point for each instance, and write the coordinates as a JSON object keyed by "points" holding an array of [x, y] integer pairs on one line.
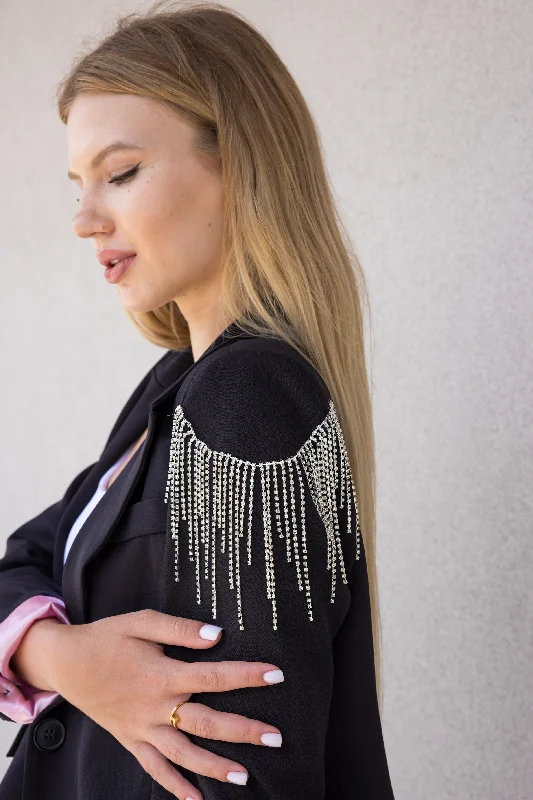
{"points": [[290, 268]]}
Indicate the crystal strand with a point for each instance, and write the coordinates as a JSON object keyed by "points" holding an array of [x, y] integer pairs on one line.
{"points": [[304, 545], [251, 503], [350, 484], [265, 528], [218, 490], [307, 461], [230, 522], [199, 509], [237, 504], [330, 468], [322, 478], [286, 511], [180, 488], [202, 454], [174, 511], [216, 473], [329, 506], [224, 501], [337, 430], [171, 481], [333, 454], [243, 498], [294, 527], [197, 494], [334, 514], [307, 458], [346, 481], [238, 547], [276, 499], [357, 530], [269, 552], [240, 529], [207, 518], [189, 499]]}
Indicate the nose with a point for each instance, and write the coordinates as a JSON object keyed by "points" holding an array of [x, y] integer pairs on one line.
{"points": [[88, 222]]}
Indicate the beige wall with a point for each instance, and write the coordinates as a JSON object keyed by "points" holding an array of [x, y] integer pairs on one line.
{"points": [[426, 113]]}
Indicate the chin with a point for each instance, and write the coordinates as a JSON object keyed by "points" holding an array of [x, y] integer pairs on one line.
{"points": [[139, 305]]}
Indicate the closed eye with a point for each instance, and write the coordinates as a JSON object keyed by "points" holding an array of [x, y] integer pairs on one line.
{"points": [[125, 175]]}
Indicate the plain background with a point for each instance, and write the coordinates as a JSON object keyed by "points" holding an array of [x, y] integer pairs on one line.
{"points": [[425, 111]]}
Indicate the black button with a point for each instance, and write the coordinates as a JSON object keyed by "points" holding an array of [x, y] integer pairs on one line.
{"points": [[49, 734]]}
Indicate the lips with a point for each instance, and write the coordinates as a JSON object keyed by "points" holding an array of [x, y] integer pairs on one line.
{"points": [[105, 257], [114, 274]]}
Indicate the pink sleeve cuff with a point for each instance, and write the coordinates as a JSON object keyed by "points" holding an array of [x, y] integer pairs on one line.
{"points": [[20, 701]]}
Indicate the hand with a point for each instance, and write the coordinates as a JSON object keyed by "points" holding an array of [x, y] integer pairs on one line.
{"points": [[115, 671]]}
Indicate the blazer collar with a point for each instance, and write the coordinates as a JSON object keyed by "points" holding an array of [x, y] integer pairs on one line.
{"points": [[138, 413]]}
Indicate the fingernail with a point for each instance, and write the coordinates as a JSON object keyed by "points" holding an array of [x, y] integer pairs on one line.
{"points": [[209, 632], [237, 777], [271, 739], [273, 676]]}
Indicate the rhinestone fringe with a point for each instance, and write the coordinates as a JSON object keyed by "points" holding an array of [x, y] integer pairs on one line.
{"points": [[211, 490]]}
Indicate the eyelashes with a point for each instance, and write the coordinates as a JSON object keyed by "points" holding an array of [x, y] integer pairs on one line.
{"points": [[125, 175]]}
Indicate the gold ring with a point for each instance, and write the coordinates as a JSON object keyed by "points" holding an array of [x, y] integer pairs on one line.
{"points": [[174, 718]]}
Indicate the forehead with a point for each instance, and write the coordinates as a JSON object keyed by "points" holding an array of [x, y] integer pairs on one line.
{"points": [[97, 119]]}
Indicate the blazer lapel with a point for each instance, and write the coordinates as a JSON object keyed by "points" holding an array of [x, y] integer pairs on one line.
{"points": [[100, 523], [127, 428]]}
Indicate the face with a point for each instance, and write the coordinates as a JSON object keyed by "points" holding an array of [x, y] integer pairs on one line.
{"points": [[167, 208]]}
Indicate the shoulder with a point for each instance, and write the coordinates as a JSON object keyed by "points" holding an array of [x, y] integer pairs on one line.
{"points": [[256, 448], [256, 398]]}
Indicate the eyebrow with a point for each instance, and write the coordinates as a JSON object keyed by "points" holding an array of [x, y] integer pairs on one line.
{"points": [[99, 157]]}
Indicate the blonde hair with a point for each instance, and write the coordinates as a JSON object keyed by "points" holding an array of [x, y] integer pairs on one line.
{"points": [[289, 266]]}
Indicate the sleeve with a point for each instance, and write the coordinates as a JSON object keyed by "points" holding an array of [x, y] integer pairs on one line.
{"points": [[263, 531], [28, 590], [26, 573], [19, 701]]}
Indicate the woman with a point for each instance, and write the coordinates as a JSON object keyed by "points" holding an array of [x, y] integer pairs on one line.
{"points": [[234, 497]]}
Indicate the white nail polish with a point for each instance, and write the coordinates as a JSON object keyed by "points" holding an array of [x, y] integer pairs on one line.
{"points": [[237, 777], [271, 739], [273, 676], [209, 632]]}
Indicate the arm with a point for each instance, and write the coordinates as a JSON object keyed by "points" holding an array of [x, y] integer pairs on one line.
{"points": [[28, 592], [20, 701], [266, 556]]}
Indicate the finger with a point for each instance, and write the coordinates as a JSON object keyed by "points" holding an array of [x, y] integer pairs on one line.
{"points": [[156, 765], [156, 626], [201, 720], [175, 745], [222, 676]]}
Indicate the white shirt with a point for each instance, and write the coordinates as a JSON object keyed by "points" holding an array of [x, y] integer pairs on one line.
{"points": [[97, 496]]}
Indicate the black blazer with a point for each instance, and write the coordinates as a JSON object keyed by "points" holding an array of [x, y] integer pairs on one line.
{"points": [[237, 509]]}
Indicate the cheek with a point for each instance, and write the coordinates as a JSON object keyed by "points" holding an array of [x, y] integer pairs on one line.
{"points": [[184, 227]]}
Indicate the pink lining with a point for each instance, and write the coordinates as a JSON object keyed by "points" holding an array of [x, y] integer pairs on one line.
{"points": [[18, 700]]}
